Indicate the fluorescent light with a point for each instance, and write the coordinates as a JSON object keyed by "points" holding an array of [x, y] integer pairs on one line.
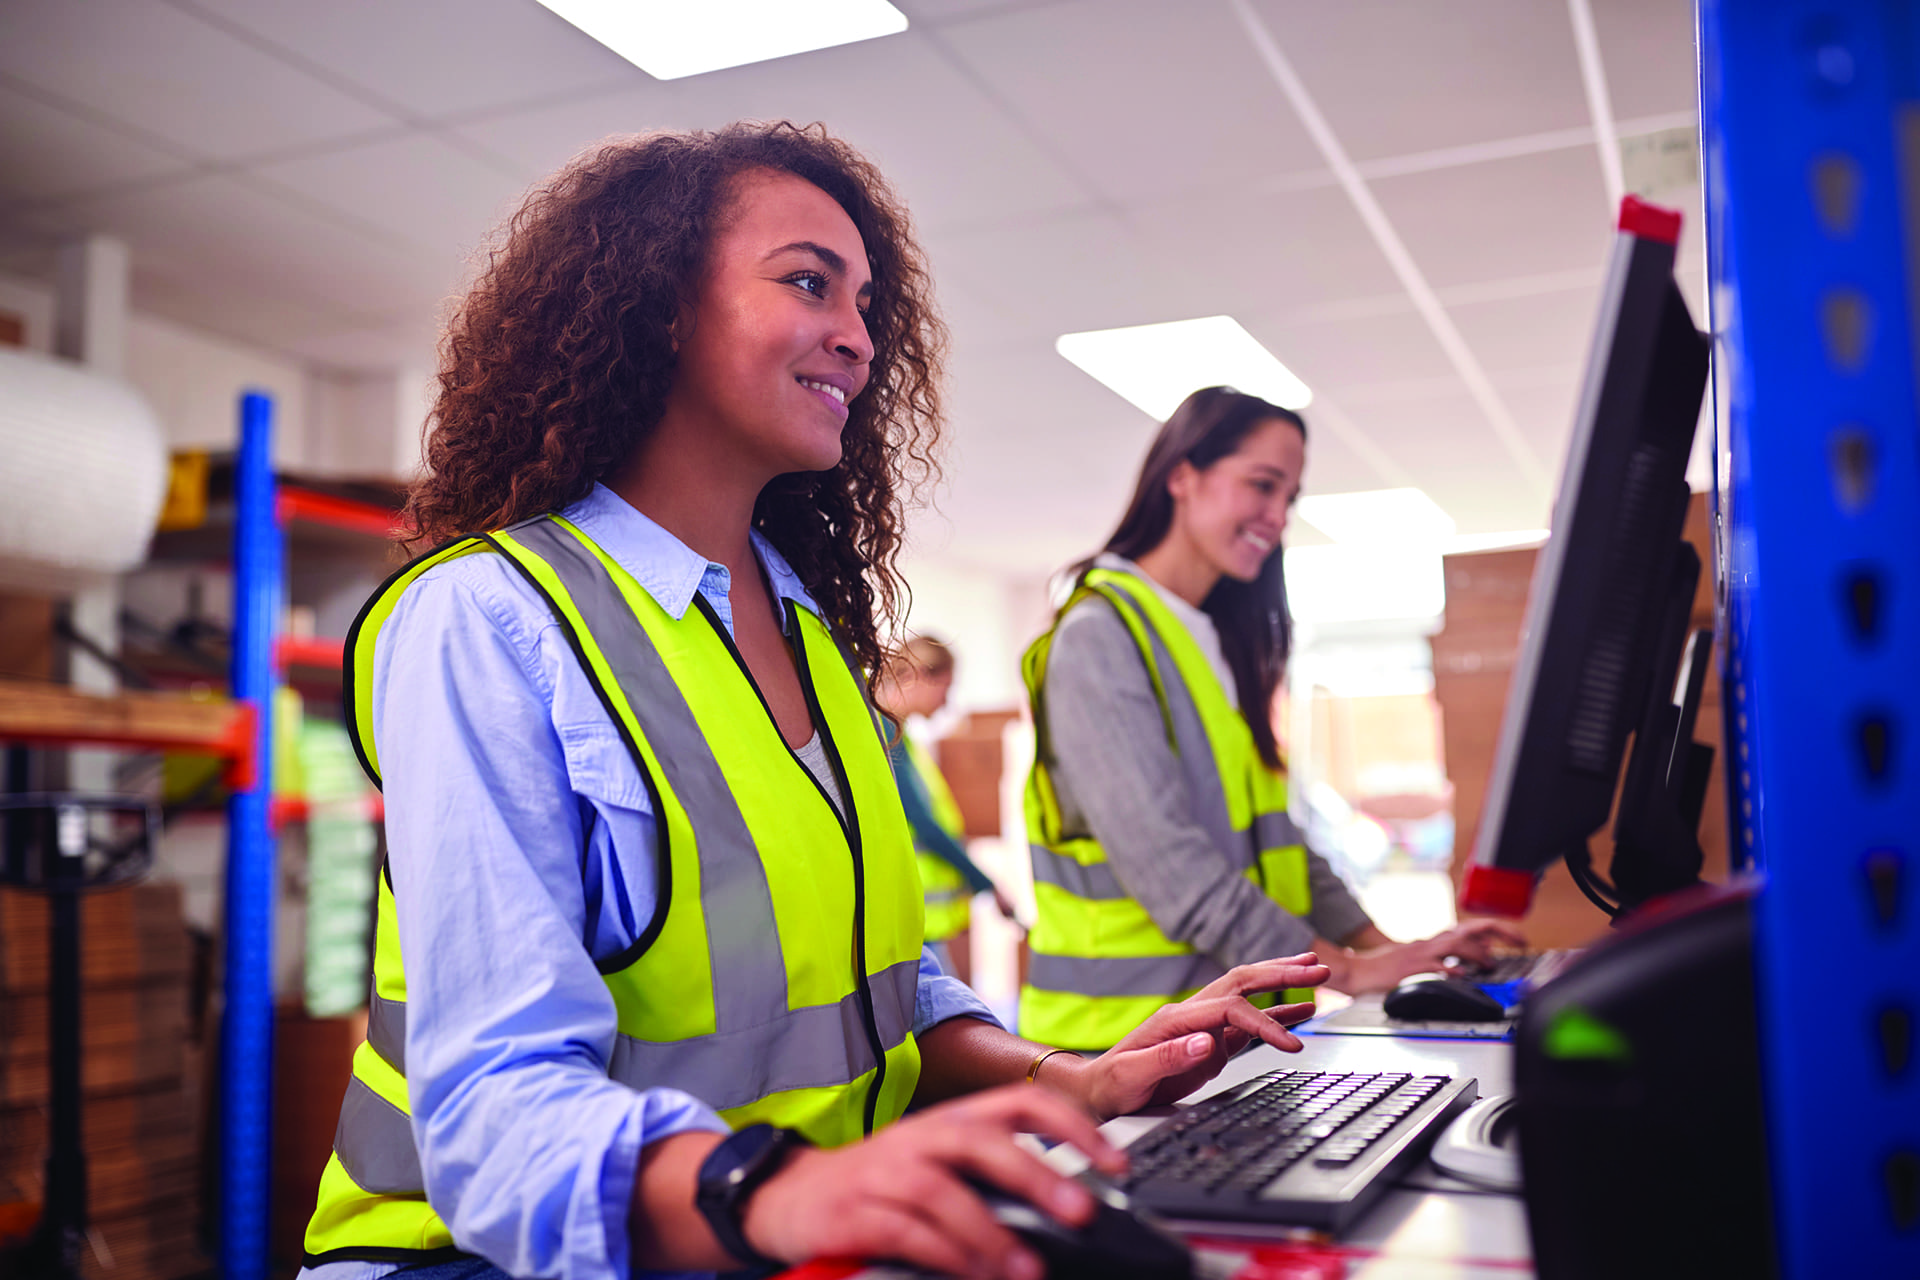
{"points": [[1509, 540], [669, 39], [1407, 517], [1347, 583], [1156, 366]]}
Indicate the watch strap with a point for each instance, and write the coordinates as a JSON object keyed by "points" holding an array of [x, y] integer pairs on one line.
{"points": [[731, 1173]]}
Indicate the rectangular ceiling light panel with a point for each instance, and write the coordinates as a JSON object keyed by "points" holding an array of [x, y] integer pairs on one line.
{"points": [[1404, 517], [669, 39], [1363, 584], [1156, 366]]}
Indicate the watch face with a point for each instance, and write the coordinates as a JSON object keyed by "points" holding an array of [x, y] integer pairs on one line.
{"points": [[734, 1159]]}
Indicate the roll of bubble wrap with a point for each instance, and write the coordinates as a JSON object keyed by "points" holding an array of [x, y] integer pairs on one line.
{"points": [[83, 471]]}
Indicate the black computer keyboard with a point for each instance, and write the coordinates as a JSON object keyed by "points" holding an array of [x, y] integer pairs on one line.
{"points": [[1534, 969], [1306, 1147]]}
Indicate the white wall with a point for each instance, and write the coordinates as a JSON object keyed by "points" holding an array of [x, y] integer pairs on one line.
{"points": [[192, 379], [987, 616], [366, 424], [325, 423]]}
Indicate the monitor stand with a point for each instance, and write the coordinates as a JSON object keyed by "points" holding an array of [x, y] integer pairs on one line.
{"points": [[1656, 825]]}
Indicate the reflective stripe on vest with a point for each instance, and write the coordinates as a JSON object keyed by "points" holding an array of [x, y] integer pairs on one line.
{"points": [[948, 898], [1099, 963], [739, 990]]}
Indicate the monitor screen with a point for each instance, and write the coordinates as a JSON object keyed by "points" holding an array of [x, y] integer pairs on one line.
{"points": [[1600, 632]]}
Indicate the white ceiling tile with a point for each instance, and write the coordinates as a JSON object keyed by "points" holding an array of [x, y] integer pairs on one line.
{"points": [[1053, 275], [933, 13], [542, 137], [1262, 252], [1528, 215], [1523, 333], [416, 186], [1037, 451], [1647, 49], [1399, 76], [46, 153], [1141, 96], [1449, 451], [1333, 466], [1344, 356], [163, 72], [952, 154], [1544, 411], [438, 58]]}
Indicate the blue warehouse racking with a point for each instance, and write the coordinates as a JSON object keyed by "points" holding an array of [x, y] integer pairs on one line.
{"points": [[1811, 121]]}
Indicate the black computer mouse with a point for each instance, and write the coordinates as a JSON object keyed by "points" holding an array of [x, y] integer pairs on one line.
{"points": [[1120, 1243], [1437, 997]]}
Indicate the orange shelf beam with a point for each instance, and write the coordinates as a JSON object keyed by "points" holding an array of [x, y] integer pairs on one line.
{"points": [[312, 652], [51, 715], [295, 503]]}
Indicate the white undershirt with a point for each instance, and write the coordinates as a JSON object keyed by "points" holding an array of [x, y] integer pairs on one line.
{"points": [[814, 755]]}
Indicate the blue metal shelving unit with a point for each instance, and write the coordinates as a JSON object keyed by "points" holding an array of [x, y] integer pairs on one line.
{"points": [[1811, 118], [246, 1040]]}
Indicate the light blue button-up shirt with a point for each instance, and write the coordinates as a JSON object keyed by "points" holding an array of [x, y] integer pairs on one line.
{"points": [[521, 845]]}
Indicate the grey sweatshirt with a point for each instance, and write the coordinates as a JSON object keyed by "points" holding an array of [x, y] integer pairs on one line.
{"points": [[1118, 780]]}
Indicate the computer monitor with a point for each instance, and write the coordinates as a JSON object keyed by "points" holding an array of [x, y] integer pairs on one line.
{"points": [[1606, 640]]}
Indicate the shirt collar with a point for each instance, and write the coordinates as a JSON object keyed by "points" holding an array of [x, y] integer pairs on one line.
{"points": [[668, 569]]}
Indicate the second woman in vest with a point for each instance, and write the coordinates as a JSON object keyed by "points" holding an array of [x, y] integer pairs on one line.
{"points": [[1163, 855]]}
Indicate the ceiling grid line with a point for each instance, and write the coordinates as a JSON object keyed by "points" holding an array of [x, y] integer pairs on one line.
{"points": [[1096, 198], [353, 89], [205, 167], [1593, 77], [1324, 411], [1398, 257]]}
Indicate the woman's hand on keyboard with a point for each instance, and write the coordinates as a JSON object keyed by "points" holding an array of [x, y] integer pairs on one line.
{"points": [[1383, 968], [1184, 1045]]}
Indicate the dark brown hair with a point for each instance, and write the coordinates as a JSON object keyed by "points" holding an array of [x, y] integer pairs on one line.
{"points": [[1255, 628], [559, 360]]}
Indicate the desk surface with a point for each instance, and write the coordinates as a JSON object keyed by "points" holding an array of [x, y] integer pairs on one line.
{"points": [[1408, 1234]]}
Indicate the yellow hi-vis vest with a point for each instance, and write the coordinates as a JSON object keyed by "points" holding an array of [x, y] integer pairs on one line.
{"points": [[1099, 964], [948, 897], [776, 978]]}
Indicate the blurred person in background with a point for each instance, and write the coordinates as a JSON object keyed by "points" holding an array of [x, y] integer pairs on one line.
{"points": [[649, 987], [1163, 854], [915, 682]]}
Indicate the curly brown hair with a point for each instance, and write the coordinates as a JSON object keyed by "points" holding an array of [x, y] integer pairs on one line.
{"points": [[558, 360]]}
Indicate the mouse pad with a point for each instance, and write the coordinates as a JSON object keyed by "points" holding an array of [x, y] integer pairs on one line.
{"points": [[1365, 1017]]}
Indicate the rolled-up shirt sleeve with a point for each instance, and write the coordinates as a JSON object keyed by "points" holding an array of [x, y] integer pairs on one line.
{"points": [[528, 1148], [940, 996]]}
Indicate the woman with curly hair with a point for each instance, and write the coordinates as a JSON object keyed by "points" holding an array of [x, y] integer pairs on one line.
{"points": [[649, 989]]}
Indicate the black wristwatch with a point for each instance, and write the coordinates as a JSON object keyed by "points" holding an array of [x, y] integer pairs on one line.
{"points": [[731, 1173]]}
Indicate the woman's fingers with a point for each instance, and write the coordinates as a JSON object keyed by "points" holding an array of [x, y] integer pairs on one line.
{"points": [[1497, 930], [1290, 1015], [887, 1229], [957, 1214], [1256, 1022], [1267, 975], [1050, 1115], [1211, 1015], [1021, 1173]]}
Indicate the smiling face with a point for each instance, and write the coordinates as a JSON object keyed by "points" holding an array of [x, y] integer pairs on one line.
{"points": [[1230, 515], [775, 346]]}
